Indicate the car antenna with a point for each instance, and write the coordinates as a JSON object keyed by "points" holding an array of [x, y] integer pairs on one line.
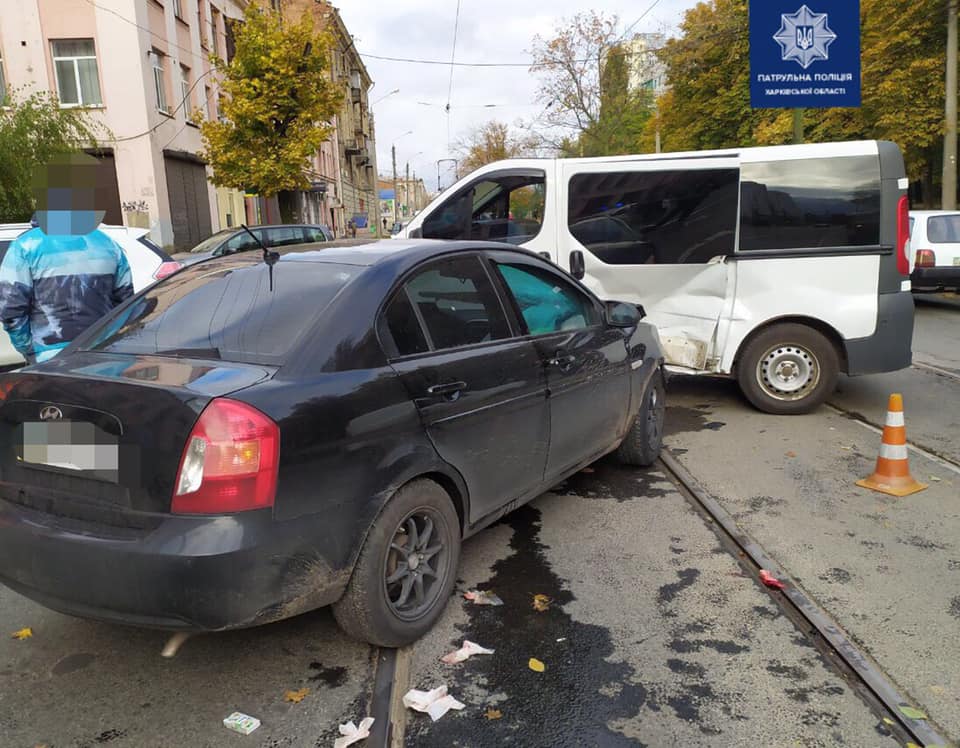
{"points": [[269, 256]]}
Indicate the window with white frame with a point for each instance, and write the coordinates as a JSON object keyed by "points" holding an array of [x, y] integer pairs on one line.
{"points": [[3, 81], [176, 9], [160, 82], [185, 91], [207, 104], [75, 67]]}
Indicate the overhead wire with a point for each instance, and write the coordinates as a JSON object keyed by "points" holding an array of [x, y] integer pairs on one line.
{"points": [[453, 54]]}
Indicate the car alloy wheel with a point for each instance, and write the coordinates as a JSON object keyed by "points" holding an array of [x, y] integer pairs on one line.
{"points": [[415, 565]]}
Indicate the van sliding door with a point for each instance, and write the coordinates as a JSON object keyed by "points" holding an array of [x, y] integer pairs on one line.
{"points": [[657, 233]]}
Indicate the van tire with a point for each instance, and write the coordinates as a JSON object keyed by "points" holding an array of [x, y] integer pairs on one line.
{"points": [[788, 369], [641, 446], [367, 611]]}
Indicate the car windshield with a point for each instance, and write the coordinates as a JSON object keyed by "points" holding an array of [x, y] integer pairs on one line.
{"points": [[208, 244], [229, 313]]}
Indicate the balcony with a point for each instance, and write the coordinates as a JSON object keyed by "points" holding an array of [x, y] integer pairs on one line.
{"points": [[355, 95]]}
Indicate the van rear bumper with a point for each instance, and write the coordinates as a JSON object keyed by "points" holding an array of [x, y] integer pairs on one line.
{"points": [[890, 346], [935, 278]]}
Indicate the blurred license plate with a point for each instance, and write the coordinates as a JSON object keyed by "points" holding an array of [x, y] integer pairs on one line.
{"points": [[69, 444]]}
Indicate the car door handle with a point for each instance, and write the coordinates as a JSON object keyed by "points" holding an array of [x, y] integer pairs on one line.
{"points": [[562, 360], [449, 390]]}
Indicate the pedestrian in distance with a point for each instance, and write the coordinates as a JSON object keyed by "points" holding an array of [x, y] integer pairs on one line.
{"points": [[60, 277]]}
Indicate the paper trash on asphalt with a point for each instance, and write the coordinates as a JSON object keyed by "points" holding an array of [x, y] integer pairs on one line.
{"points": [[465, 652], [482, 597], [436, 703], [353, 733], [242, 723]]}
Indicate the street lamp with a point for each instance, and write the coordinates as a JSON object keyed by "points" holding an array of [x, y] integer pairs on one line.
{"points": [[440, 161], [394, 91], [393, 154]]}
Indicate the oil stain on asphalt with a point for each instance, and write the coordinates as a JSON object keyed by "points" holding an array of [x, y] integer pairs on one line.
{"points": [[580, 692]]}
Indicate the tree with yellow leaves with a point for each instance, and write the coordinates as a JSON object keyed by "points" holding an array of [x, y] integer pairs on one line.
{"points": [[279, 99]]}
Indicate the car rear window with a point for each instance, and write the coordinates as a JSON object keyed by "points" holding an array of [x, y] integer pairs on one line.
{"points": [[164, 257], [228, 313], [944, 229]]}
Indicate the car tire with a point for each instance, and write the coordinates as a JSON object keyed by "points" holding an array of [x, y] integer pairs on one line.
{"points": [[788, 369], [641, 446], [401, 546]]}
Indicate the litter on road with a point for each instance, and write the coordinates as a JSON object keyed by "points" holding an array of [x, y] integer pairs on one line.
{"points": [[541, 603], [482, 597], [493, 714], [465, 652], [242, 723], [771, 581], [22, 634], [174, 643], [911, 712], [536, 665], [295, 697], [352, 733], [436, 703]]}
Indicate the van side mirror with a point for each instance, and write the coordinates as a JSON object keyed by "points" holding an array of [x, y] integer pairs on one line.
{"points": [[577, 267], [621, 314]]}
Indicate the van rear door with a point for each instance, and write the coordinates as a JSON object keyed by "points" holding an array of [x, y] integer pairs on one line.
{"points": [[657, 232]]}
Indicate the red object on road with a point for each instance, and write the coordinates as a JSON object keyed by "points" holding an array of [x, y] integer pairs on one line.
{"points": [[771, 581]]}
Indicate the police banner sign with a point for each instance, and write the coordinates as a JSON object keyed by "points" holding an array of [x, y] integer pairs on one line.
{"points": [[804, 53]]}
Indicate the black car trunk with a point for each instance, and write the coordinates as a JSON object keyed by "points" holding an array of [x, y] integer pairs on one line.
{"points": [[99, 437]]}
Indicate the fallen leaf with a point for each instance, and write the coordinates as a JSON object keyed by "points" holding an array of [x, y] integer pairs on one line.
{"points": [[938, 690], [295, 697], [790, 454], [493, 714], [935, 479], [22, 634], [536, 665], [541, 603], [888, 721], [588, 470], [771, 581], [911, 713]]}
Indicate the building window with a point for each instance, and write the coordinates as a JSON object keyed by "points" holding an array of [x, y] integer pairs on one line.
{"points": [[160, 82], [207, 105], [3, 83], [75, 67], [214, 14], [185, 91], [176, 9]]}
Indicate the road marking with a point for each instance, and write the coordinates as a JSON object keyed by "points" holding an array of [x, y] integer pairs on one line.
{"points": [[935, 369], [941, 461]]}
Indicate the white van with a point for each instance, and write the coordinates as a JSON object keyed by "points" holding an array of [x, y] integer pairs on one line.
{"points": [[781, 266]]}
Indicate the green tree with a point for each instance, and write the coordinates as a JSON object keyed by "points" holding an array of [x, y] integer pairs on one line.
{"points": [[33, 129], [584, 73], [279, 99], [903, 62]]}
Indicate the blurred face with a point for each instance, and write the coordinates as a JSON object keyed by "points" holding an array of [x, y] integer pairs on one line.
{"points": [[65, 190]]}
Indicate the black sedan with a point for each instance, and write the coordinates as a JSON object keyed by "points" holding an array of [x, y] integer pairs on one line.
{"points": [[255, 437]]}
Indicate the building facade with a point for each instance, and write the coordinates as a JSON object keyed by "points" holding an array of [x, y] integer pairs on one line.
{"points": [[140, 69], [646, 71]]}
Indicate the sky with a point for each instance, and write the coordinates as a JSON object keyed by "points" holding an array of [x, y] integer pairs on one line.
{"points": [[489, 31]]}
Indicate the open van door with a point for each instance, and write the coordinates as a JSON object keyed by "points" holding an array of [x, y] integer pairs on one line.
{"points": [[658, 232]]}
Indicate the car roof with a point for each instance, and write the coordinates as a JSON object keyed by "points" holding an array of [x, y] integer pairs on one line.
{"points": [[927, 213], [408, 250]]}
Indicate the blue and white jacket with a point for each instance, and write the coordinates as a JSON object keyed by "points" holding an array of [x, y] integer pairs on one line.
{"points": [[53, 287]]}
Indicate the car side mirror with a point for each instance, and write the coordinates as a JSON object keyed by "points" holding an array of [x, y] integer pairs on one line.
{"points": [[577, 267], [621, 314]]}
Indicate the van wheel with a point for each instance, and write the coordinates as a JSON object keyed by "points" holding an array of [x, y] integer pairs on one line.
{"points": [[788, 369], [641, 445], [406, 569]]}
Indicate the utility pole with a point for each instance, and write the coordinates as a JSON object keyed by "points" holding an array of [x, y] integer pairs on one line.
{"points": [[949, 198], [393, 153], [406, 192], [797, 125]]}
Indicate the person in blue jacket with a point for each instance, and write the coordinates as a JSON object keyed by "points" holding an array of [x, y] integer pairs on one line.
{"points": [[60, 277]]}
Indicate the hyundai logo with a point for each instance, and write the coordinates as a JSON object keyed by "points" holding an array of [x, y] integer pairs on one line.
{"points": [[51, 413]]}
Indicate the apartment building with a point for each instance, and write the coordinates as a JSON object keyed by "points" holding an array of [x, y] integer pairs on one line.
{"points": [[141, 69]]}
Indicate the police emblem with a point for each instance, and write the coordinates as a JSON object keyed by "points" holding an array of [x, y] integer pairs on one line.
{"points": [[804, 36]]}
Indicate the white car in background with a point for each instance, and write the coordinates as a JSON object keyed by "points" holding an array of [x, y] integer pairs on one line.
{"points": [[148, 264], [935, 242]]}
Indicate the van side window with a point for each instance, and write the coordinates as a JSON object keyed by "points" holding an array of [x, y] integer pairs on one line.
{"points": [[507, 208], [663, 217], [806, 203]]}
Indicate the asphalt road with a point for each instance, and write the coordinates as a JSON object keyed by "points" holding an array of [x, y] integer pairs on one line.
{"points": [[656, 633]]}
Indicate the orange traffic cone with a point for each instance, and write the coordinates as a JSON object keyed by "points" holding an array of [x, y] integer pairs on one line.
{"points": [[892, 475]]}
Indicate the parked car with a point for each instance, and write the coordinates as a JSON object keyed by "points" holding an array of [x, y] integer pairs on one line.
{"points": [[148, 263], [935, 241], [233, 240], [259, 456]]}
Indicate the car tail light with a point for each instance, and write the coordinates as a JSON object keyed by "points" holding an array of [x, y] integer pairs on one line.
{"points": [[903, 235], [166, 268], [229, 463], [926, 258]]}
